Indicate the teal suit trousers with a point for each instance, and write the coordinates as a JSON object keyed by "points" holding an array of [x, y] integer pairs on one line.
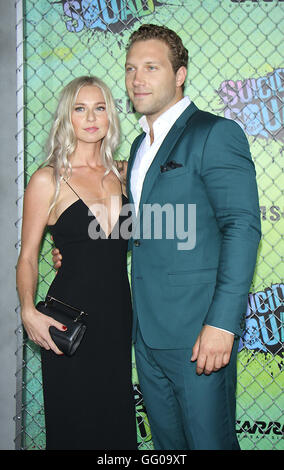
{"points": [[187, 411]]}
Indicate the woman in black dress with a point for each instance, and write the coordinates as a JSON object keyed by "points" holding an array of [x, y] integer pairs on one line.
{"points": [[80, 197]]}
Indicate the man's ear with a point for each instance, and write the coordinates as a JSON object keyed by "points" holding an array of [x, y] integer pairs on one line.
{"points": [[181, 76]]}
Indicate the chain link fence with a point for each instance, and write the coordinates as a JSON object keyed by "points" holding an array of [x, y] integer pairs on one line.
{"points": [[235, 70]]}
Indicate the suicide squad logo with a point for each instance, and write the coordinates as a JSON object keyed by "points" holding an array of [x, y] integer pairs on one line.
{"points": [[264, 321], [256, 104], [105, 15]]}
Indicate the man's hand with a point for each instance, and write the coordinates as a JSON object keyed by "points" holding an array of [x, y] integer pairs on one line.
{"points": [[121, 165], [212, 350], [56, 258]]}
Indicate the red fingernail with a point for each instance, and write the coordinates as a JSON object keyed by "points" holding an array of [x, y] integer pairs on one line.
{"points": [[64, 327]]}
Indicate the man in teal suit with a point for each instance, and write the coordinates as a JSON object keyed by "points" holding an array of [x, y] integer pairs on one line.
{"points": [[189, 295]]}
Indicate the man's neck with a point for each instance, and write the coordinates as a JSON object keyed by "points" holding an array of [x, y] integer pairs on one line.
{"points": [[151, 118]]}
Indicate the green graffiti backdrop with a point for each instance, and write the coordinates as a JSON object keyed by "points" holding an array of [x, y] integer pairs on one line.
{"points": [[235, 70]]}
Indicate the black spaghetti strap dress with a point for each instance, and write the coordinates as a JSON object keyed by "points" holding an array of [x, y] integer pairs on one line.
{"points": [[88, 398]]}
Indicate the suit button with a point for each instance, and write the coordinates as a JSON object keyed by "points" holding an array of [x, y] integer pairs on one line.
{"points": [[136, 242]]}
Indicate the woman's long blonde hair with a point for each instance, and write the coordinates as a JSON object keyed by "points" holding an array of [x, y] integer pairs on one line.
{"points": [[62, 140]]}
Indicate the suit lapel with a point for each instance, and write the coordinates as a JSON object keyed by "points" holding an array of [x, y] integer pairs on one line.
{"points": [[164, 151], [133, 152]]}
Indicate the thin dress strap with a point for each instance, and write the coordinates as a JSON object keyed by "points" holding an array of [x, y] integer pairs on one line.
{"points": [[67, 183], [71, 187], [78, 194]]}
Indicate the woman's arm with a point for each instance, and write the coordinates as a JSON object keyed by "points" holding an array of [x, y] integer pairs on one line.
{"points": [[35, 217]]}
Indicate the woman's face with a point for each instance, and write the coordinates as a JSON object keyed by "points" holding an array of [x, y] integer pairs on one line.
{"points": [[89, 117]]}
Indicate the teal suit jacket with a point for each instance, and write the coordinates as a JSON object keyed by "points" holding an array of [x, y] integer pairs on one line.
{"points": [[176, 291]]}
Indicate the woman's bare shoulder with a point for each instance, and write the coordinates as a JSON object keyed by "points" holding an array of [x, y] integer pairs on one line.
{"points": [[42, 179], [44, 175]]}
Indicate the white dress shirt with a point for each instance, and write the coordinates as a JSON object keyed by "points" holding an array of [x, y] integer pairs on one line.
{"points": [[147, 151]]}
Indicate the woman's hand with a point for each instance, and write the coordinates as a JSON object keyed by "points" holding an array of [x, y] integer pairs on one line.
{"points": [[37, 327]]}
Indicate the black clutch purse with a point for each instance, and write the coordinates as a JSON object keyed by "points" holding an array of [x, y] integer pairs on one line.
{"points": [[69, 340]]}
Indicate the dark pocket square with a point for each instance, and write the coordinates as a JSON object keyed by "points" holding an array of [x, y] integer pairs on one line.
{"points": [[172, 165]]}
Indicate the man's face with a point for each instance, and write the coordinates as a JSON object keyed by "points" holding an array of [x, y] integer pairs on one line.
{"points": [[151, 83]]}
